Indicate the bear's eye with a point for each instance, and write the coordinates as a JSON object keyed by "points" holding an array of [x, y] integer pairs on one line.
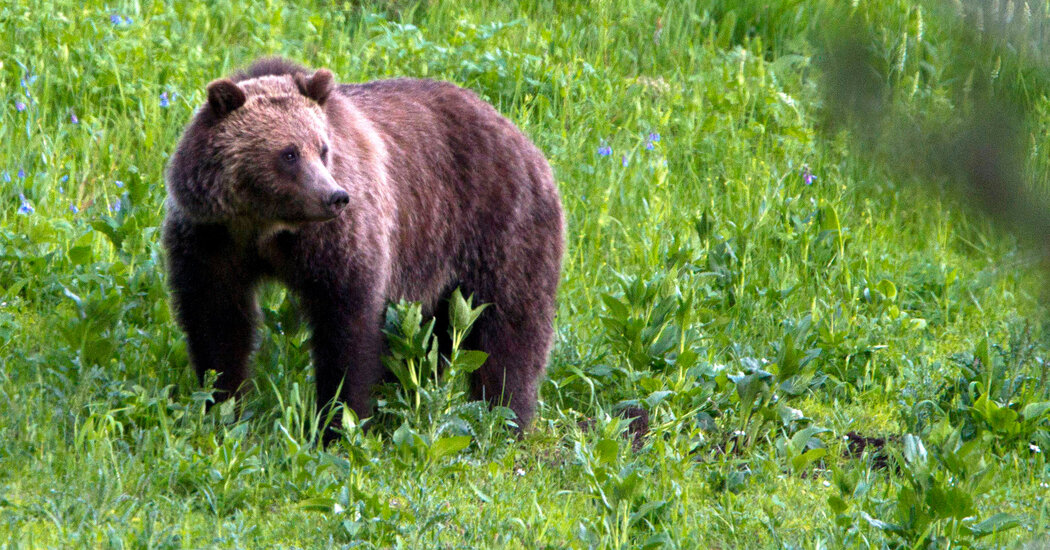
{"points": [[289, 156]]}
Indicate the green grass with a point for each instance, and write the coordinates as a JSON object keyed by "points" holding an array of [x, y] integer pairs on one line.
{"points": [[703, 279]]}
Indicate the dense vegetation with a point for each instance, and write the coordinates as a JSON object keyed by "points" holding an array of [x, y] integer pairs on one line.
{"points": [[830, 354]]}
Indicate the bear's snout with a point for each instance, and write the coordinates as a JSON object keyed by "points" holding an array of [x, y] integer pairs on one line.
{"points": [[338, 200]]}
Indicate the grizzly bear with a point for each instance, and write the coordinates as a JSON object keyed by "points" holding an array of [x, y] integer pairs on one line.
{"points": [[355, 195]]}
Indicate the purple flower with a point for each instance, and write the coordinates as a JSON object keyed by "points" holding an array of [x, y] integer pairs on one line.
{"points": [[650, 142], [623, 159], [73, 118], [73, 208], [807, 175], [164, 99], [119, 183], [19, 106], [21, 173], [64, 178], [119, 20], [604, 151], [116, 206], [26, 208]]}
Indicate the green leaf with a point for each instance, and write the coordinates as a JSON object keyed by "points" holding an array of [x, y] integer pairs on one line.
{"points": [[405, 437], [703, 225], [646, 509], [110, 228], [881, 525], [887, 289], [617, 309], [80, 255], [1033, 412], [996, 524], [446, 446], [459, 310], [801, 439], [318, 504], [914, 450], [803, 460], [668, 339], [607, 450], [837, 504], [470, 360], [484, 497], [659, 540], [657, 397]]}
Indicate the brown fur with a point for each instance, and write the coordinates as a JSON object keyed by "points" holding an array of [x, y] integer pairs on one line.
{"points": [[443, 193]]}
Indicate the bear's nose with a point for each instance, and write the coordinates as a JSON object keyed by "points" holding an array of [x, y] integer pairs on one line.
{"points": [[339, 199]]}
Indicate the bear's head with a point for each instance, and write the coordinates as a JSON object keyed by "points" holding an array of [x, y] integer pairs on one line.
{"points": [[260, 149]]}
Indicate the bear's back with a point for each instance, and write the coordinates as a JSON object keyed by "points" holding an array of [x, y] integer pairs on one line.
{"points": [[468, 183]]}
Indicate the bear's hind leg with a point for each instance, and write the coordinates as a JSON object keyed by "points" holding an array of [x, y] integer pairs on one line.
{"points": [[517, 349]]}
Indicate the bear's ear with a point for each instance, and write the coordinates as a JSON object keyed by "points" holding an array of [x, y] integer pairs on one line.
{"points": [[316, 87], [224, 97]]}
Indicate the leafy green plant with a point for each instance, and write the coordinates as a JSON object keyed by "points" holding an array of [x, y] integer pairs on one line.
{"points": [[763, 392], [618, 489], [645, 324], [936, 502], [429, 399], [1000, 391]]}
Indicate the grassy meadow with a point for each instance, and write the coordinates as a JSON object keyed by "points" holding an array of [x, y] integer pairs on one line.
{"points": [[835, 350]]}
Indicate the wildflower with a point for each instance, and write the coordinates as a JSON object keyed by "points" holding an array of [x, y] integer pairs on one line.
{"points": [[73, 208], [20, 106], [73, 118], [119, 20], [1034, 448], [61, 190], [21, 174], [116, 206], [649, 145], [119, 183], [623, 160], [807, 175], [7, 177], [28, 80], [26, 207], [654, 137], [164, 100], [604, 151], [64, 178]]}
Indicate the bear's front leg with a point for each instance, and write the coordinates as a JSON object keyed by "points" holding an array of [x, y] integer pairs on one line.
{"points": [[214, 302], [347, 343]]}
